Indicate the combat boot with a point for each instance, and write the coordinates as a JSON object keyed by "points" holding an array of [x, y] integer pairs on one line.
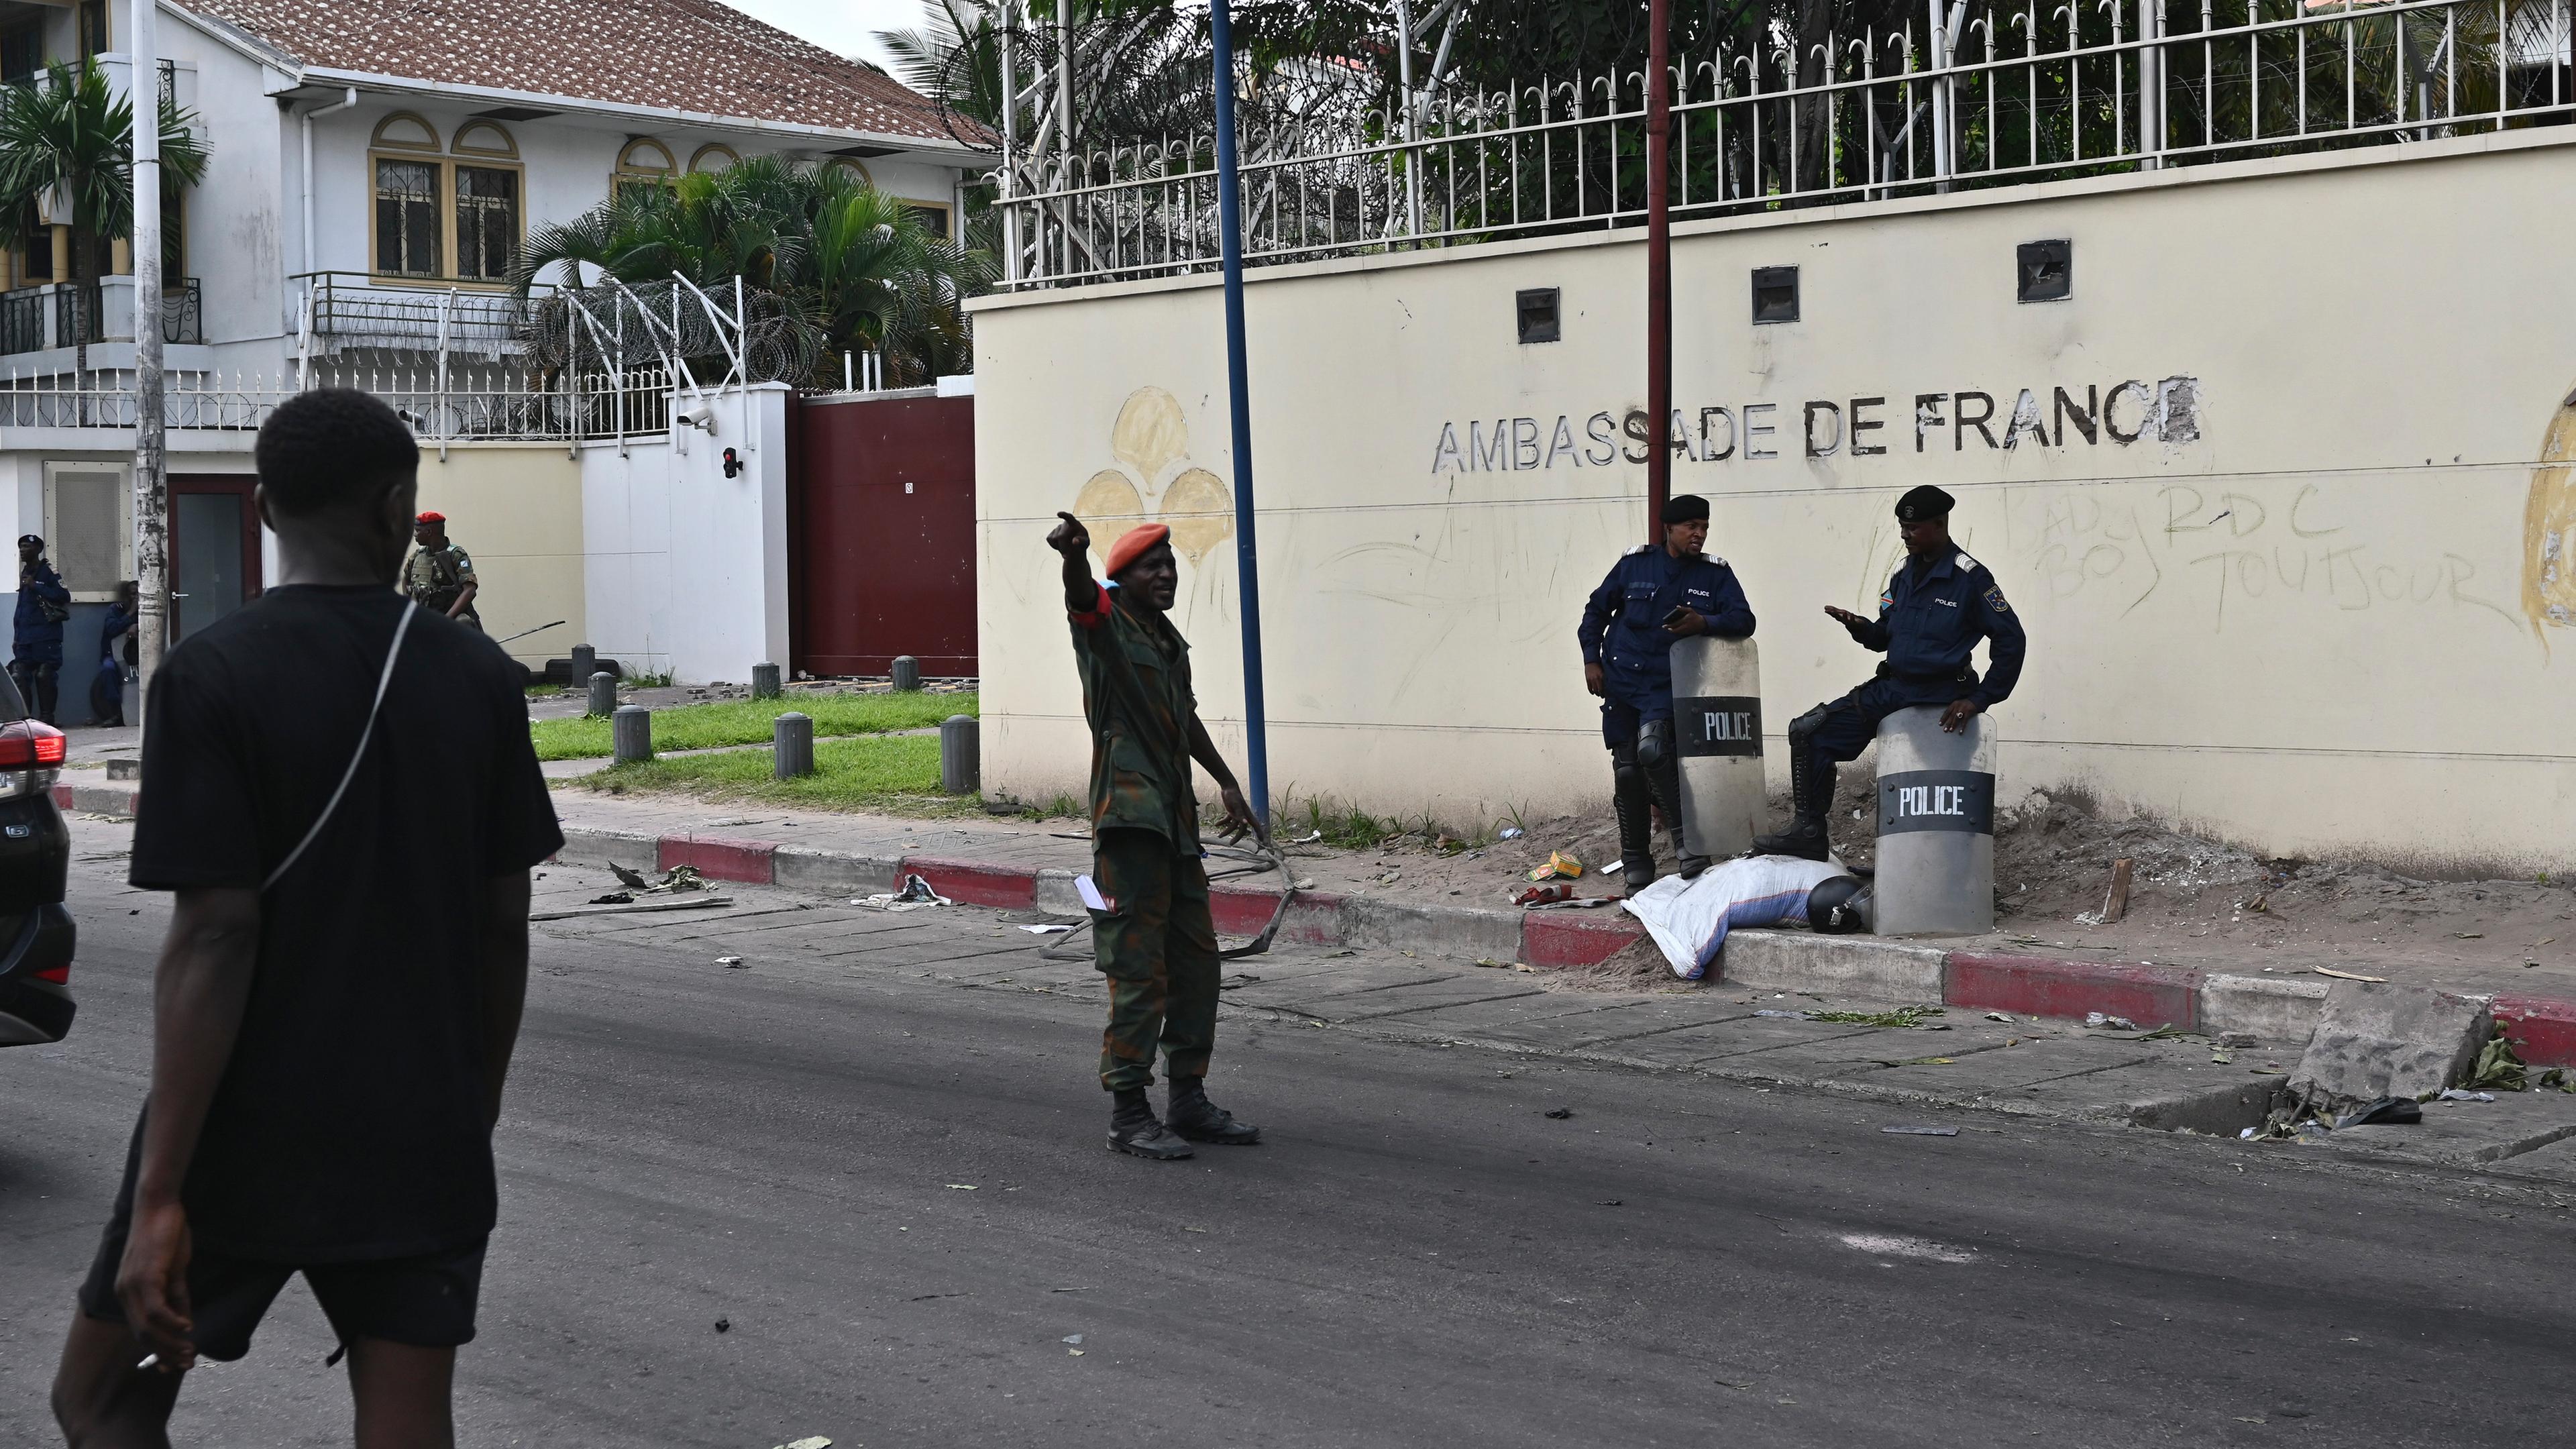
{"points": [[1630, 800], [1133, 1129], [1666, 779], [1811, 787], [1200, 1120]]}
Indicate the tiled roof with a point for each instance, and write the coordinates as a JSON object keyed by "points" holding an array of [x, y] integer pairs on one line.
{"points": [[691, 55]]}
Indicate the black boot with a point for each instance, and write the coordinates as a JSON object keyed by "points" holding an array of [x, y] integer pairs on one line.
{"points": [[1667, 782], [1811, 788], [1133, 1128], [1633, 802], [1200, 1120]]}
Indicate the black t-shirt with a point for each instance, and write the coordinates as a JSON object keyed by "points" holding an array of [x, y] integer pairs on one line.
{"points": [[349, 1123]]}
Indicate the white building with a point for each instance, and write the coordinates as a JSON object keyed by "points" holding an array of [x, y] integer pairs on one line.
{"points": [[373, 171]]}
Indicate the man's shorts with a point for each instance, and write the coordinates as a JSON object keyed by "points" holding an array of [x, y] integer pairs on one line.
{"points": [[426, 1301]]}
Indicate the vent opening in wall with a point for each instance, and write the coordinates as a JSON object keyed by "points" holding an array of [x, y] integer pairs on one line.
{"points": [[2044, 271], [1775, 294], [1536, 307]]}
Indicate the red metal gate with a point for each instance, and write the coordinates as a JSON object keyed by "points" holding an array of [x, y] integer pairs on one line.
{"points": [[882, 559]]}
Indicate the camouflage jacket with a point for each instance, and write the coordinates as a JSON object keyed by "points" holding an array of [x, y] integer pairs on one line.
{"points": [[435, 576], [1140, 769]]}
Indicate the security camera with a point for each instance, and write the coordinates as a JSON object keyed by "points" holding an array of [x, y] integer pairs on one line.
{"points": [[699, 414]]}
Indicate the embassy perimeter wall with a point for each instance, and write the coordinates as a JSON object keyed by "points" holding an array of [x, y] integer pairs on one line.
{"points": [[2316, 605]]}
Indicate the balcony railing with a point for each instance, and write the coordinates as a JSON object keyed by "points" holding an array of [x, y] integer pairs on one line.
{"points": [[357, 310], [68, 314]]}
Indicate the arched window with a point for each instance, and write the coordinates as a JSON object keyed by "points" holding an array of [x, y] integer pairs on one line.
{"points": [[487, 202], [713, 158], [411, 181], [854, 168], [644, 162]]}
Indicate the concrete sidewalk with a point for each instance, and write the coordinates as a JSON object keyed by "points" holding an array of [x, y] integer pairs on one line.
{"points": [[1019, 864]]}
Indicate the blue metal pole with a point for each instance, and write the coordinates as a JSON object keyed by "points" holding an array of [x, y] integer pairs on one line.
{"points": [[1229, 211]]}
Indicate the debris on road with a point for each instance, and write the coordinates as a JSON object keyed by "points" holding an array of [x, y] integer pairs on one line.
{"points": [[614, 898], [730, 962], [2105, 1019], [1046, 930], [2497, 1066], [724, 1325], [915, 894], [1560, 1113], [667, 903], [2235, 1039], [961, 1187], [2387, 1111], [815, 1442], [1768, 1011], [1509, 832], [2347, 975], [1922, 1131], [2004, 1017], [1901, 1017], [1539, 895], [1074, 1339], [2454, 1094]]}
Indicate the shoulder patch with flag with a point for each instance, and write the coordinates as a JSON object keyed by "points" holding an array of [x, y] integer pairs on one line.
{"points": [[1995, 600]]}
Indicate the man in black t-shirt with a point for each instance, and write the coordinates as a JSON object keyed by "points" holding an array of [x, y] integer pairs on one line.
{"points": [[344, 797]]}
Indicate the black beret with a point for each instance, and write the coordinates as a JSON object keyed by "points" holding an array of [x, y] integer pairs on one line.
{"points": [[1921, 502], [1685, 508]]}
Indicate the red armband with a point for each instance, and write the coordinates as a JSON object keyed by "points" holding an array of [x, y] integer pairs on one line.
{"points": [[1096, 615]]}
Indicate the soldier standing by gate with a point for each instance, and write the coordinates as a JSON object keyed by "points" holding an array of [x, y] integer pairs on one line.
{"points": [[1155, 937], [439, 574]]}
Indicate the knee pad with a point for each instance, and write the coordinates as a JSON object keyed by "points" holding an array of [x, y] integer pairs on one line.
{"points": [[1655, 743], [1804, 727]]}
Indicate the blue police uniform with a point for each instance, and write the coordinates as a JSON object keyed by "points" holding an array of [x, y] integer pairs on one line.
{"points": [[1930, 617], [1623, 630], [36, 660]]}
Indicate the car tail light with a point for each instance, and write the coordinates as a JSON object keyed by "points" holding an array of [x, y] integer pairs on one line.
{"points": [[31, 744], [59, 975]]}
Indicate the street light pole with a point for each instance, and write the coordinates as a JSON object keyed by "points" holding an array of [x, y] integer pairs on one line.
{"points": [[1229, 211], [1659, 265], [151, 475]]}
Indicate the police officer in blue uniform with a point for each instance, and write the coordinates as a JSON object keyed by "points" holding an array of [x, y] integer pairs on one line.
{"points": [[1653, 596], [1939, 603]]}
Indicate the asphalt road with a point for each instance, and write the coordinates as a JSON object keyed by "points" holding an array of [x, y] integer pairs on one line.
{"points": [[892, 1189]]}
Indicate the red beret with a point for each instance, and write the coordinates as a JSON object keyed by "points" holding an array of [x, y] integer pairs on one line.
{"points": [[1133, 544], [431, 518]]}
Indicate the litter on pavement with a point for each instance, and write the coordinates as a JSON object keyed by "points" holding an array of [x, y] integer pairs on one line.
{"points": [[2454, 1094], [2104, 1019], [1922, 1131], [666, 903], [1046, 930], [1560, 1113], [916, 893], [732, 962], [2387, 1111], [1560, 866]]}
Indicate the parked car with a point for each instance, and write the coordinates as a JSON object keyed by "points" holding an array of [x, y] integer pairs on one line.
{"points": [[36, 932]]}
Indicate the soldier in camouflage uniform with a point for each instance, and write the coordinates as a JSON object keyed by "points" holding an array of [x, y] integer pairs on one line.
{"points": [[1156, 940], [439, 574]]}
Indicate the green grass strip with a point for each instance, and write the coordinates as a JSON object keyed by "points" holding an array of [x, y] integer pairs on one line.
{"points": [[748, 722], [898, 776]]}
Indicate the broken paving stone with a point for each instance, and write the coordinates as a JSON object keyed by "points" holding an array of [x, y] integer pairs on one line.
{"points": [[2234, 1039]]}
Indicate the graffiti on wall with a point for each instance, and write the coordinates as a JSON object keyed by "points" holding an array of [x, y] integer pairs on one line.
{"points": [[1155, 482], [2549, 527]]}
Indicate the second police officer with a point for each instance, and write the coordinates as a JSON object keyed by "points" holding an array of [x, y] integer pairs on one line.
{"points": [[1935, 608], [1655, 594]]}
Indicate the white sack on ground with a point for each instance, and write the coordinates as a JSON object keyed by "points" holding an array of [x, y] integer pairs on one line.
{"points": [[1689, 919]]}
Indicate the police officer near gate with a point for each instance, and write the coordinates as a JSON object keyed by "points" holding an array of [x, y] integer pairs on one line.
{"points": [[1930, 616], [440, 574], [1655, 594]]}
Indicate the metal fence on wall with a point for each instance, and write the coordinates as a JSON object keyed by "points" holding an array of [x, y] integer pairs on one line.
{"points": [[1972, 95]]}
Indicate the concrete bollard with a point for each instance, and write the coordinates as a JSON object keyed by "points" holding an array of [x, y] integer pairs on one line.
{"points": [[603, 693], [907, 672], [764, 681], [961, 766], [631, 730], [1936, 826], [791, 739], [585, 663], [1717, 726]]}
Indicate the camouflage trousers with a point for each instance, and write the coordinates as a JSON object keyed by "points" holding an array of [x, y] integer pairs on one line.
{"points": [[1157, 945]]}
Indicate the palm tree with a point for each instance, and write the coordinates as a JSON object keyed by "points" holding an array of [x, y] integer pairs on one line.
{"points": [[67, 136], [829, 263]]}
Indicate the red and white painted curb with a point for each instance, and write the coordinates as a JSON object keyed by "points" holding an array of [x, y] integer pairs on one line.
{"points": [[2272, 1007]]}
